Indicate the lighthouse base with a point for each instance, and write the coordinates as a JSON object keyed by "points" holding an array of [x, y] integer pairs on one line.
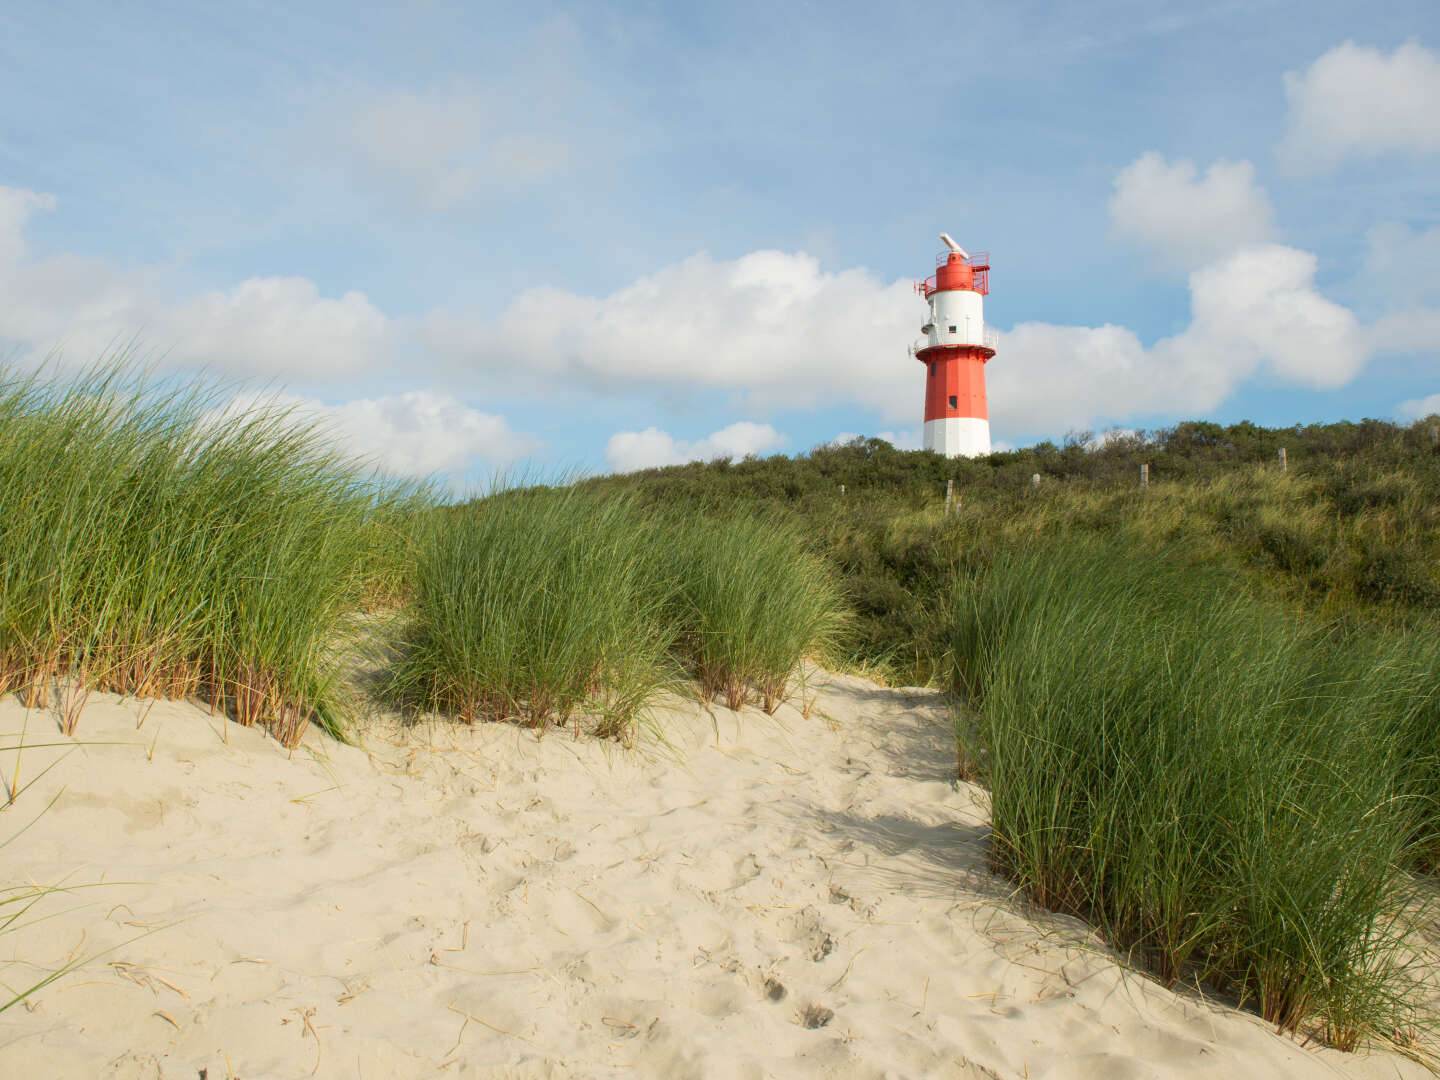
{"points": [[958, 436]]}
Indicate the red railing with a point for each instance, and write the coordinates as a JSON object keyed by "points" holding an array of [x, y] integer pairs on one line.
{"points": [[977, 261], [980, 260]]}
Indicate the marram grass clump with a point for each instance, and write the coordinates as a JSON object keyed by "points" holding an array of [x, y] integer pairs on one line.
{"points": [[750, 602], [568, 606], [1225, 791], [152, 544], [535, 605]]}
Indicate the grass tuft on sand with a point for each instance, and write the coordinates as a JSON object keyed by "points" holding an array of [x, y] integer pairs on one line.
{"points": [[750, 601], [536, 605], [151, 544], [1229, 793], [553, 606]]}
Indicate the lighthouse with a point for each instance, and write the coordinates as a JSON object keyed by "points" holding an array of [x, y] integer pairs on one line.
{"points": [[954, 351]]}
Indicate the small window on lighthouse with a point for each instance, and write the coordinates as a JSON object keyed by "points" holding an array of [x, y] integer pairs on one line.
{"points": [[932, 368], [953, 403], [952, 329]]}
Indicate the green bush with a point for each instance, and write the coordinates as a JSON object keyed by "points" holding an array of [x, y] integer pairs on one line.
{"points": [[1394, 575]]}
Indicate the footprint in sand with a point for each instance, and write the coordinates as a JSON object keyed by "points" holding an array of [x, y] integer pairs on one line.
{"points": [[807, 929], [815, 1016]]}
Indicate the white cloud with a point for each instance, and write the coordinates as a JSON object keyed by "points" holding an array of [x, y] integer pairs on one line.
{"points": [[1185, 220], [276, 326], [1052, 378], [769, 325], [1401, 273], [1356, 101], [628, 451], [765, 330], [772, 327], [904, 439], [1255, 310], [1123, 435], [1260, 305], [265, 326], [1418, 408], [416, 434], [1412, 330]]}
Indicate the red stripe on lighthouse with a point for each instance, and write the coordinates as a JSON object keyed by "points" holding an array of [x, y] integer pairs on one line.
{"points": [[955, 382]]}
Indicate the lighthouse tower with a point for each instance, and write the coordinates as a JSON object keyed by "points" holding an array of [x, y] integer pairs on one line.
{"points": [[954, 351]]}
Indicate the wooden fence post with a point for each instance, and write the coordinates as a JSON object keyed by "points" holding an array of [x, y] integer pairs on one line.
{"points": [[1284, 467], [949, 495], [1434, 435], [1144, 476], [1035, 479]]}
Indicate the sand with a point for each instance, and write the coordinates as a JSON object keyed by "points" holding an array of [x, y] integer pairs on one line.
{"points": [[763, 897]]}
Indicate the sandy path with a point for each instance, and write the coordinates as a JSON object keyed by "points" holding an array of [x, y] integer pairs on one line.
{"points": [[783, 897]]}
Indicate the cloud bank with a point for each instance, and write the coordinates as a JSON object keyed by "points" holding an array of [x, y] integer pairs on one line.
{"points": [[1401, 271], [762, 332], [414, 434], [1254, 309], [770, 327], [775, 329], [628, 451], [263, 326], [1419, 408], [1185, 220], [1356, 101]]}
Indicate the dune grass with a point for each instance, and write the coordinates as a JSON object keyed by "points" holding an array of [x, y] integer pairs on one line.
{"points": [[1228, 794], [1417, 733], [749, 602], [553, 605], [535, 605], [151, 545]]}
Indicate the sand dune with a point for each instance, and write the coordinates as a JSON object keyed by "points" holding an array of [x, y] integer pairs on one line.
{"points": [[764, 897]]}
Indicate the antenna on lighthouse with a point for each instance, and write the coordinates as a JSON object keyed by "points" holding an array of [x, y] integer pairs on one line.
{"points": [[950, 243]]}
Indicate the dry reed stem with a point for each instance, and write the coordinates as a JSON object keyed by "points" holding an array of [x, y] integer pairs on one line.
{"points": [[734, 692], [306, 1017], [492, 1027], [145, 977]]}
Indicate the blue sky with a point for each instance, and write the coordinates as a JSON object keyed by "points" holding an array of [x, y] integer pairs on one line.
{"points": [[599, 237]]}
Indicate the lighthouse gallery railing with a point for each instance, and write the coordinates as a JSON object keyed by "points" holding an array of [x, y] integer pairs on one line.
{"points": [[989, 338]]}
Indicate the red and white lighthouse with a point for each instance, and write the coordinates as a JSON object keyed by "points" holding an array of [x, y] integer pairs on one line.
{"points": [[954, 351]]}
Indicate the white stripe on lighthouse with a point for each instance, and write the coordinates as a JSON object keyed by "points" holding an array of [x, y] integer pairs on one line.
{"points": [[956, 436]]}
